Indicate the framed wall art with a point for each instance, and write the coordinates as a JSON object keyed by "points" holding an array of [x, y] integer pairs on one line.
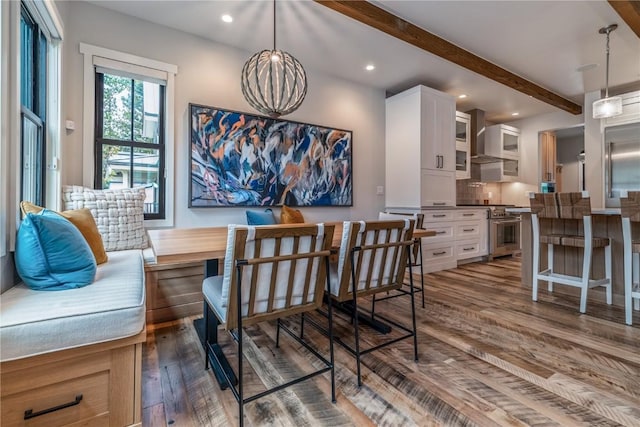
{"points": [[240, 159]]}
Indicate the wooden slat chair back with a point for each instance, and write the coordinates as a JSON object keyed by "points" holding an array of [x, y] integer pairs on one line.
{"points": [[283, 271], [378, 251], [416, 250], [630, 211], [552, 207]]}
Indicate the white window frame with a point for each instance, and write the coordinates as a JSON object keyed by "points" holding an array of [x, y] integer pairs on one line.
{"points": [[96, 55]]}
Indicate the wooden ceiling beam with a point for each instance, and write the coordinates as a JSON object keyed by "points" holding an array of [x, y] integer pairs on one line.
{"points": [[629, 11], [373, 16]]}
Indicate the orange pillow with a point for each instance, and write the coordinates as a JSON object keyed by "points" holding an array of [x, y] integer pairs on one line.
{"points": [[84, 221], [291, 216]]}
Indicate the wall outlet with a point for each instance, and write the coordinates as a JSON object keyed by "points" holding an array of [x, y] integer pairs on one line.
{"points": [[70, 125], [379, 190]]}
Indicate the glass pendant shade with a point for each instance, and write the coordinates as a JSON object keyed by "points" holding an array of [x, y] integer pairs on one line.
{"points": [[607, 107]]}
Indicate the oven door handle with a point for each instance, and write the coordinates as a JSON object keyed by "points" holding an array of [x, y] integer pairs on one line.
{"points": [[506, 221]]}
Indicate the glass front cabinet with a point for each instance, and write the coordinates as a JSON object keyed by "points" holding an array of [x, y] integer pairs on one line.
{"points": [[463, 161]]}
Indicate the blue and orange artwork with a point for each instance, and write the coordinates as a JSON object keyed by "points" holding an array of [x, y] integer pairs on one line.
{"points": [[240, 159]]}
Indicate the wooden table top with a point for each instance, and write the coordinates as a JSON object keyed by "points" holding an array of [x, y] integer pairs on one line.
{"points": [[187, 245]]}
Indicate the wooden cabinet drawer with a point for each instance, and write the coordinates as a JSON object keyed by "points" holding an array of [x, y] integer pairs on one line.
{"points": [[467, 230], [92, 391], [466, 215], [437, 252], [443, 232]]}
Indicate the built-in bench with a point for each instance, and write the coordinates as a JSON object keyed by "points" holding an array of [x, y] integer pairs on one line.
{"points": [[76, 351]]}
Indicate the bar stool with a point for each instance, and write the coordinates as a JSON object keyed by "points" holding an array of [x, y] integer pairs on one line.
{"points": [[630, 210], [567, 206]]}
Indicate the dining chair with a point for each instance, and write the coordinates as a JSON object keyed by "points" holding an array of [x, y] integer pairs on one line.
{"points": [[270, 272], [415, 260], [372, 259], [630, 211], [564, 208]]}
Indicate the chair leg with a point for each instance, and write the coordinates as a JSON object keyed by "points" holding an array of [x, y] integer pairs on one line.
{"points": [[586, 269], [421, 272], [413, 317], [607, 269], [373, 306], [205, 316], [278, 333], [535, 269], [301, 325], [357, 337], [331, 357], [628, 286], [550, 265]]}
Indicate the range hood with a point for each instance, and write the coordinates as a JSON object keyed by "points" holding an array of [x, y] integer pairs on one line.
{"points": [[478, 127]]}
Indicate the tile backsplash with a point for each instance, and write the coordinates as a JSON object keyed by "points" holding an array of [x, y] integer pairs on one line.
{"points": [[470, 192]]}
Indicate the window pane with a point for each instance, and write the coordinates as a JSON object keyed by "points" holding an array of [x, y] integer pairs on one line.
{"points": [[146, 111], [42, 77], [26, 62], [116, 115], [116, 166], [31, 161], [146, 166]]}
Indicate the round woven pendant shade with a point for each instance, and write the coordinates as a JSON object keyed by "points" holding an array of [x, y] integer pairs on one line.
{"points": [[274, 87]]}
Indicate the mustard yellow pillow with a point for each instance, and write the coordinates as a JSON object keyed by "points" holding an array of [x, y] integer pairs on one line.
{"points": [[84, 221], [291, 216]]}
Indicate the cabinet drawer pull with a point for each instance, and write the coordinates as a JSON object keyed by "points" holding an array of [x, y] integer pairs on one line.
{"points": [[468, 214], [440, 253], [468, 249], [441, 232], [439, 215], [468, 229], [28, 414], [439, 204]]}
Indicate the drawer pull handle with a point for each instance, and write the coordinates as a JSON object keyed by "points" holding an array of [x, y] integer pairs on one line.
{"points": [[441, 232], [468, 249], [439, 204], [468, 214], [439, 215], [468, 229], [440, 253], [28, 414]]}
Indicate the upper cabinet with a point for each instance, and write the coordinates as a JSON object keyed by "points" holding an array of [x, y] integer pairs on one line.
{"points": [[548, 157], [420, 160], [502, 141], [463, 152], [630, 110]]}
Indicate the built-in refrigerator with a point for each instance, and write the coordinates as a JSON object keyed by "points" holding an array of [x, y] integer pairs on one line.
{"points": [[622, 161]]}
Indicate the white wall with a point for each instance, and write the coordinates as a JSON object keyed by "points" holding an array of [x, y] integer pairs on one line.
{"points": [[209, 74], [516, 193]]}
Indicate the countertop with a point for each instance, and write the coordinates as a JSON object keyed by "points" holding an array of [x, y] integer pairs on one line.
{"points": [[600, 211]]}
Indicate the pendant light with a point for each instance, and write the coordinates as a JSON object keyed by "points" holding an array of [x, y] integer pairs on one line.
{"points": [[607, 106], [273, 81]]}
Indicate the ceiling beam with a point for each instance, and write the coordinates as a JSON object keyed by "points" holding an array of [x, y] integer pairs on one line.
{"points": [[373, 16], [629, 11]]}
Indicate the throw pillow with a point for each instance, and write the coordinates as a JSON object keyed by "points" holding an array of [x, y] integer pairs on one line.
{"points": [[119, 214], [51, 254], [82, 219], [260, 217], [291, 216]]}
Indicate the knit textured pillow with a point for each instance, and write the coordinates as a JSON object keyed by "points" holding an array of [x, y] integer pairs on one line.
{"points": [[291, 216], [119, 214]]}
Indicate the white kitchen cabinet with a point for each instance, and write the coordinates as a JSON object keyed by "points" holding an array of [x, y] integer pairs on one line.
{"points": [[463, 152], [460, 235], [503, 170], [502, 141], [420, 149]]}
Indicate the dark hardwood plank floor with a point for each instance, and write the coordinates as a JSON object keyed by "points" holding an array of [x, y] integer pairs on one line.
{"points": [[488, 355]]}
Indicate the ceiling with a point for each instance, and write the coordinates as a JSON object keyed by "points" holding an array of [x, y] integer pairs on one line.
{"points": [[541, 41]]}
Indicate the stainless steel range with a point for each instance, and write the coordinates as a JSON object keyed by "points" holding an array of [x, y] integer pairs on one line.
{"points": [[504, 232]]}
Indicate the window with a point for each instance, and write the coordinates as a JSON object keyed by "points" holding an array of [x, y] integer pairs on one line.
{"points": [[128, 132], [33, 101], [130, 137]]}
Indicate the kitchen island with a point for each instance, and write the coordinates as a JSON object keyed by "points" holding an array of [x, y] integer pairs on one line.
{"points": [[568, 260]]}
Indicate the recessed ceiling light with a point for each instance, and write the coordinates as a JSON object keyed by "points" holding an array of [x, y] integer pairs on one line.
{"points": [[370, 67], [227, 18], [463, 96], [515, 114]]}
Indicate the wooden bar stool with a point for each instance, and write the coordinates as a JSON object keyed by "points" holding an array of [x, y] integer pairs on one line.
{"points": [[630, 210], [567, 206]]}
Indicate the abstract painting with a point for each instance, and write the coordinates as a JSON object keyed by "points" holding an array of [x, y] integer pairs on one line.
{"points": [[240, 159]]}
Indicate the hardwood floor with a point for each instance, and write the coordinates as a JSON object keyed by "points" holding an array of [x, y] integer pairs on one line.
{"points": [[488, 356]]}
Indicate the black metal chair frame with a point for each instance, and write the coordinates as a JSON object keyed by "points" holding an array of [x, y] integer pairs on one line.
{"points": [[417, 262], [225, 374]]}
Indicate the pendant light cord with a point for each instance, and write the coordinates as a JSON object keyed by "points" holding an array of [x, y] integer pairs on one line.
{"points": [[606, 87], [274, 32]]}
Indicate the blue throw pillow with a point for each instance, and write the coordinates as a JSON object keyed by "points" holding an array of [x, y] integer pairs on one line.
{"points": [[261, 217], [51, 254]]}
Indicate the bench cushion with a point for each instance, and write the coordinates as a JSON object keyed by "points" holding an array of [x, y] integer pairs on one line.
{"points": [[111, 308]]}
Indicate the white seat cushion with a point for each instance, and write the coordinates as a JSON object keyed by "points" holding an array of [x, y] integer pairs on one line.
{"points": [[111, 308], [212, 291]]}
